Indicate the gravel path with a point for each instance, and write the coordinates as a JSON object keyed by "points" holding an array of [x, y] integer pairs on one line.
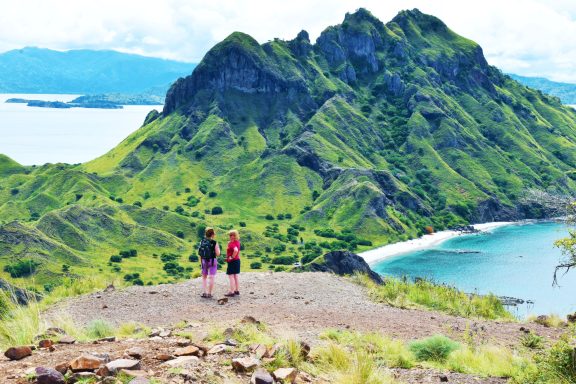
{"points": [[302, 304]]}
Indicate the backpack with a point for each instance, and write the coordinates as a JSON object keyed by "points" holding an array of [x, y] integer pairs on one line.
{"points": [[206, 250]]}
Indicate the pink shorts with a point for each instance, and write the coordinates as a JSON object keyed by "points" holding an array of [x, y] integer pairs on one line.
{"points": [[209, 267]]}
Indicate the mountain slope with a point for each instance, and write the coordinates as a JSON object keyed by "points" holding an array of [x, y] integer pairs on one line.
{"points": [[365, 137], [564, 91], [36, 70]]}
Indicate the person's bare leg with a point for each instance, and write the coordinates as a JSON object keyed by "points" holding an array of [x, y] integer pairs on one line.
{"points": [[231, 277], [204, 283], [211, 285], [236, 283]]}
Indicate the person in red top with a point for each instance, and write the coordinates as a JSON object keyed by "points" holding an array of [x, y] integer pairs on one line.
{"points": [[233, 260]]}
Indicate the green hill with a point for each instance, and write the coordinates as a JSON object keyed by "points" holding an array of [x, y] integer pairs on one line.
{"points": [[365, 137], [40, 70]]}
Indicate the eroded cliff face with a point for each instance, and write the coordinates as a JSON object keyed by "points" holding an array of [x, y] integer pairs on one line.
{"points": [[353, 51], [412, 84]]}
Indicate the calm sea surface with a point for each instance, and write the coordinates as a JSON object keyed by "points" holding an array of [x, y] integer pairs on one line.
{"points": [[515, 260], [33, 135]]}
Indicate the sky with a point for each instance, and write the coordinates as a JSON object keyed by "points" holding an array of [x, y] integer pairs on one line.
{"points": [[526, 37]]}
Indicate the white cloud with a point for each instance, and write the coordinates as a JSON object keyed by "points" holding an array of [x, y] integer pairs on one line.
{"points": [[530, 37]]}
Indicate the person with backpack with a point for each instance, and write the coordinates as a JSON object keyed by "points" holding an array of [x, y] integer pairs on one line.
{"points": [[208, 251], [233, 260]]}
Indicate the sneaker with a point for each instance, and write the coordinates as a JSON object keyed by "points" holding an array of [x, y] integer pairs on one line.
{"points": [[237, 293]]}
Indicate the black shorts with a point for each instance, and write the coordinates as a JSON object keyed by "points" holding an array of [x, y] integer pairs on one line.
{"points": [[233, 267]]}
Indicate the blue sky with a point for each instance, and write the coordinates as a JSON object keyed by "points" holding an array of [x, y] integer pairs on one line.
{"points": [[528, 37]]}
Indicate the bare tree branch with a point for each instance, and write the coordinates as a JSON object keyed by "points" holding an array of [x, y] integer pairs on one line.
{"points": [[567, 266]]}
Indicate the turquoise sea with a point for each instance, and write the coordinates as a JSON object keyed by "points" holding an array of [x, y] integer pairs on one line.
{"points": [[514, 260]]}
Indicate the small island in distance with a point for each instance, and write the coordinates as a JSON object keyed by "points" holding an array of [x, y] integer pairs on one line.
{"points": [[104, 101]]}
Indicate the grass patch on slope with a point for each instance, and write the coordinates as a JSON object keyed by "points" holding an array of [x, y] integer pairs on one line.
{"points": [[425, 294]]}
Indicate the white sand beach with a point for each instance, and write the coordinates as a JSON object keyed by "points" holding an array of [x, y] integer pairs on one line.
{"points": [[427, 241]]}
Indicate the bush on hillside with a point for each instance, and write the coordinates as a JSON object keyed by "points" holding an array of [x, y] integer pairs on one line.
{"points": [[434, 348], [284, 260], [256, 265], [131, 276], [127, 253], [217, 211], [21, 268], [116, 259]]}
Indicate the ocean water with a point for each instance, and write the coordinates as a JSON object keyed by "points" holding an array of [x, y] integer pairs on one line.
{"points": [[33, 135], [514, 260]]}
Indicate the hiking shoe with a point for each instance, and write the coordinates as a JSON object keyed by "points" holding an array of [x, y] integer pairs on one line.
{"points": [[230, 294], [237, 293]]}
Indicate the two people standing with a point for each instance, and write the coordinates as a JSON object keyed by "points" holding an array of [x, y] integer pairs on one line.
{"points": [[209, 251]]}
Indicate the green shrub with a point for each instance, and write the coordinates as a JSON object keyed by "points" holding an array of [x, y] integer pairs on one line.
{"points": [[193, 258], [212, 194], [127, 253], [180, 234], [21, 268], [242, 224], [557, 364], [203, 186], [116, 259], [217, 211], [98, 329], [256, 265], [269, 217], [14, 191], [137, 204], [284, 260], [131, 276], [532, 341], [434, 348]]}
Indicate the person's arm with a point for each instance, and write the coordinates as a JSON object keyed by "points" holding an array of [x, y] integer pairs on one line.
{"points": [[217, 249], [234, 253]]}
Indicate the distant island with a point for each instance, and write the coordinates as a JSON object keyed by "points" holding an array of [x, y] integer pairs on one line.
{"points": [[100, 104], [39, 70], [566, 92], [104, 101]]}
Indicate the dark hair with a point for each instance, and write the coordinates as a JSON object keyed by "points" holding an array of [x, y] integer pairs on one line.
{"points": [[209, 232]]}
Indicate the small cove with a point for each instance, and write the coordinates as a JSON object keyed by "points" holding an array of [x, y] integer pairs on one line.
{"points": [[514, 260]]}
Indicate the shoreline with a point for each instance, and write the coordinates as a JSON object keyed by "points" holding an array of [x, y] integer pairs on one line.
{"points": [[376, 255]]}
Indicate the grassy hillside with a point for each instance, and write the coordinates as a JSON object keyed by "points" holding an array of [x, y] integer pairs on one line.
{"points": [[363, 138]]}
